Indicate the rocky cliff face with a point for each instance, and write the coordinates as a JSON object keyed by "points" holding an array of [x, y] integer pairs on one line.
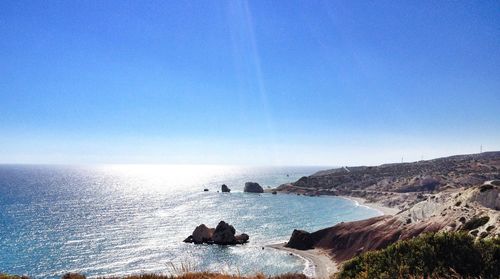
{"points": [[474, 210]]}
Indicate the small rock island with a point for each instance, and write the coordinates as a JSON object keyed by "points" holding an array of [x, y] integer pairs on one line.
{"points": [[223, 234], [225, 189], [253, 187]]}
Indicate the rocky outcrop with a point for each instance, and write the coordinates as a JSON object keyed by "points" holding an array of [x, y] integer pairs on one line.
{"points": [[223, 234], [202, 234], [225, 189], [301, 240], [470, 210], [488, 195], [253, 187]]}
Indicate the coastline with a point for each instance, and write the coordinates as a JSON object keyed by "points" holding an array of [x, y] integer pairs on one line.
{"points": [[384, 210], [323, 265]]}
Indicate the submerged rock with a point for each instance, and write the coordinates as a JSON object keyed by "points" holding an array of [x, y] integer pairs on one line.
{"points": [[225, 189], [223, 234], [253, 187]]}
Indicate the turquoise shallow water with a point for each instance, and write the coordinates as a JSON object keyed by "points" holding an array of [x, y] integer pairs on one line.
{"points": [[113, 220]]}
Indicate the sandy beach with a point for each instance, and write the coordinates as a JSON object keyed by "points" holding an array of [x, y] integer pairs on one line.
{"points": [[323, 264], [384, 210]]}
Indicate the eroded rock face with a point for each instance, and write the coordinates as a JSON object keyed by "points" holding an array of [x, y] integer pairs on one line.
{"points": [[223, 234], [225, 189], [253, 187], [488, 195]]}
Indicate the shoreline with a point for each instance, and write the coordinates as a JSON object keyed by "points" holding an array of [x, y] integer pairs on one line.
{"points": [[323, 265], [358, 201], [384, 210]]}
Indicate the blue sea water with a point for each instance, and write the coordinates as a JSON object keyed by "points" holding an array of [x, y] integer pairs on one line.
{"points": [[123, 219]]}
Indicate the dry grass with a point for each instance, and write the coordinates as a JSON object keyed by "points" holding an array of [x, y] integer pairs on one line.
{"points": [[8, 276], [182, 271], [192, 275]]}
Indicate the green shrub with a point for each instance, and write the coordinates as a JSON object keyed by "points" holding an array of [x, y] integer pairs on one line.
{"points": [[476, 222], [429, 256]]}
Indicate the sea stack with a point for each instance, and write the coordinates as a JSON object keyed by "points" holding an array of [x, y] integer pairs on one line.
{"points": [[225, 189], [253, 187], [223, 234]]}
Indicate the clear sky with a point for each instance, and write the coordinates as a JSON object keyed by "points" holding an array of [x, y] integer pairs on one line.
{"points": [[257, 82]]}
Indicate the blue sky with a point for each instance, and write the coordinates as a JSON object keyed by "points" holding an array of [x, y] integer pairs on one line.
{"points": [[258, 82]]}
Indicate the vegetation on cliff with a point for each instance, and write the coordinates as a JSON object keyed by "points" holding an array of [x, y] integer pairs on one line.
{"points": [[434, 255]]}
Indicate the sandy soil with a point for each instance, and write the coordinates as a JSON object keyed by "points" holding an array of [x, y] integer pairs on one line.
{"points": [[324, 266]]}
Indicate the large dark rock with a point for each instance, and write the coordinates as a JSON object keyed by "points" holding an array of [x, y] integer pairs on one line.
{"points": [[253, 187], [225, 189], [202, 234], [300, 240], [223, 234]]}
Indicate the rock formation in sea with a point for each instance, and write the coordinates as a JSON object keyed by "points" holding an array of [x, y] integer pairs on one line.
{"points": [[253, 187], [225, 189], [223, 234]]}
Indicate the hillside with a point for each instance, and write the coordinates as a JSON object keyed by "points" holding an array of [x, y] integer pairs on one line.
{"points": [[404, 184], [457, 193]]}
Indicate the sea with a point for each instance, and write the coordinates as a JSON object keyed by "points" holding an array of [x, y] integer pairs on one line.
{"points": [[112, 220]]}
